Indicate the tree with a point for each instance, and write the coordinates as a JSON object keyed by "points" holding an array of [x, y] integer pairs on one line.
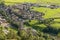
{"points": [[1, 2]]}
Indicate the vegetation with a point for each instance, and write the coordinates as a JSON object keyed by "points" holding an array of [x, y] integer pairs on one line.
{"points": [[29, 20]]}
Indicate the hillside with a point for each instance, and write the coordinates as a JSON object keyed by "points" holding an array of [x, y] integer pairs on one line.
{"points": [[30, 20], [49, 13]]}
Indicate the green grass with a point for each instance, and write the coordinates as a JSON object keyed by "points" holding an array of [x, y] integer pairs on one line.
{"points": [[50, 13], [10, 2]]}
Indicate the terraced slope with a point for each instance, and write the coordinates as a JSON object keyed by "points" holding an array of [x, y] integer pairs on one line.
{"points": [[50, 13]]}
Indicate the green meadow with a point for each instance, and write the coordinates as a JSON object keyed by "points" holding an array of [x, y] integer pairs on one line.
{"points": [[8, 2], [49, 13]]}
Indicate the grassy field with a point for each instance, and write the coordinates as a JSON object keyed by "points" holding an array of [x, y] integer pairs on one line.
{"points": [[49, 13], [8, 2]]}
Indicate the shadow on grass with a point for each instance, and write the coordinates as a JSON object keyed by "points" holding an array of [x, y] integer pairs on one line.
{"points": [[34, 26], [14, 26], [49, 30]]}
